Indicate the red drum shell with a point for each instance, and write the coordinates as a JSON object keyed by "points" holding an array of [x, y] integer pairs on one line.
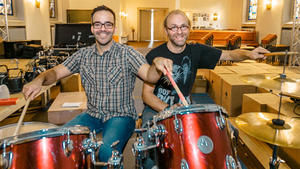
{"points": [[184, 145], [48, 153]]}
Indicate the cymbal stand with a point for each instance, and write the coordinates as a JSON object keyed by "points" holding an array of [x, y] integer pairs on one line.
{"points": [[274, 162]]}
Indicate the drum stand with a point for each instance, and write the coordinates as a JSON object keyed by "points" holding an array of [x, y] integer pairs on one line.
{"points": [[91, 145], [275, 161], [139, 148]]}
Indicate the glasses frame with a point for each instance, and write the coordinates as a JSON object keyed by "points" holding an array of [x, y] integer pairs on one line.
{"points": [[175, 28], [105, 25]]}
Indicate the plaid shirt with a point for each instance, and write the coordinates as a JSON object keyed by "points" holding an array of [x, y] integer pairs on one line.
{"points": [[108, 80]]}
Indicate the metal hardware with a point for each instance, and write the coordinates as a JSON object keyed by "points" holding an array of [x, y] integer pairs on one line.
{"points": [[5, 158], [221, 122], [178, 125], [230, 162], [184, 164], [67, 144]]}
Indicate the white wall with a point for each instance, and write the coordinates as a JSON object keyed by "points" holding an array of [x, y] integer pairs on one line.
{"points": [[269, 21], [229, 11], [131, 8], [37, 21], [91, 4]]}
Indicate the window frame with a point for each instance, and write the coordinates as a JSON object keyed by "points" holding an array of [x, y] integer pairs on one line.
{"points": [[11, 7]]}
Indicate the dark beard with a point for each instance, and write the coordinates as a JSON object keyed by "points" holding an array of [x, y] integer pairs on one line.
{"points": [[175, 44]]}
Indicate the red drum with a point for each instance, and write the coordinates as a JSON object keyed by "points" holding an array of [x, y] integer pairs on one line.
{"points": [[57, 148], [196, 137]]}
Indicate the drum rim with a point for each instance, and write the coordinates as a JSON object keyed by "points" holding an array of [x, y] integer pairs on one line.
{"points": [[23, 123], [48, 133], [192, 108]]}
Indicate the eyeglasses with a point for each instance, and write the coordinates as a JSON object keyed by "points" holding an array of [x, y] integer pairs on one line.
{"points": [[107, 25], [176, 28]]}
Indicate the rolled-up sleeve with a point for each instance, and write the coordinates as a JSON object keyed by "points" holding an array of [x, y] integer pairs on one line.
{"points": [[135, 59]]}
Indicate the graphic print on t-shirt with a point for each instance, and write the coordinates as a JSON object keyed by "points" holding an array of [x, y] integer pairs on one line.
{"points": [[181, 75]]}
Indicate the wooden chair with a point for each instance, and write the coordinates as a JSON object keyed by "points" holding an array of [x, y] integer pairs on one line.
{"points": [[208, 39], [225, 46], [235, 42], [269, 40]]}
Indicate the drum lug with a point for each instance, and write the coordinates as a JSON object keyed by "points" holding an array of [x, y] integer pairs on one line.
{"points": [[67, 145], [230, 162], [178, 125], [184, 164], [5, 158], [221, 122]]}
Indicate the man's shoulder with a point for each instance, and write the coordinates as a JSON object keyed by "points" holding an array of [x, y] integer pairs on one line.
{"points": [[158, 49]]}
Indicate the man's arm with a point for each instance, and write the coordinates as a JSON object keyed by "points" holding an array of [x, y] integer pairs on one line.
{"points": [[46, 78], [239, 54], [153, 73], [151, 100]]}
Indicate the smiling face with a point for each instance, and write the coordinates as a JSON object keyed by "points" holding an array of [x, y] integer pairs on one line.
{"points": [[103, 27], [177, 29]]}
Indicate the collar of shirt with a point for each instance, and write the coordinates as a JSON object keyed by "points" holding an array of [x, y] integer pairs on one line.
{"points": [[113, 46]]}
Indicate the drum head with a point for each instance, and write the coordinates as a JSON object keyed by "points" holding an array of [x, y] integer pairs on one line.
{"points": [[50, 132], [26, 127], [193, 108]]}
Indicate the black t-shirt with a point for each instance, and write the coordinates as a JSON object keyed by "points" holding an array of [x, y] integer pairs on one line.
{"points": [[185, 65]]}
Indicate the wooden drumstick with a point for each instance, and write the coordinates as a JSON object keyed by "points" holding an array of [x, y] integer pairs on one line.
{"points": [[176, 88], [280, 53], [22, 117]]}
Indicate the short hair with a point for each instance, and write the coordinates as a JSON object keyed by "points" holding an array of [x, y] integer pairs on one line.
{"points": [[176, 12], [103, 8]]}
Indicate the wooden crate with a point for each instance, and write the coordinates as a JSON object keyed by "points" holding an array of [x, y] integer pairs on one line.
{"points": [[232, 94], [60, 115]]}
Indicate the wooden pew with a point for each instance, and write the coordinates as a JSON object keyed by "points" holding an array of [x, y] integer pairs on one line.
{"points": [[207, 39], [247, 37], [270, 39]]}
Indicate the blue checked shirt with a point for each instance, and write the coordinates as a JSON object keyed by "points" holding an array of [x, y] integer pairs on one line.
{"points": [[108, 79]]}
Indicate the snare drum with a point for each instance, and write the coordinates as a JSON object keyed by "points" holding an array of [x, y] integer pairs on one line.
{"points": [[8, 130], [56, 148], [196, 136]]}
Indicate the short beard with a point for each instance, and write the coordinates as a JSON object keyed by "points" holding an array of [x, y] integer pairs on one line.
{"points": [[103, 44], [176, 44]]}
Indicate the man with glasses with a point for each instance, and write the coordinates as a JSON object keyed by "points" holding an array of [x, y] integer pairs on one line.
{"points": [[187, 58], [108, 71]]}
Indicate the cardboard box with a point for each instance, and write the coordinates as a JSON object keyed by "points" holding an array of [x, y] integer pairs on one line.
{"points": [[57, 114], [71, 83], [200, 85], [232, 94], [268, 102], [215, 87]]}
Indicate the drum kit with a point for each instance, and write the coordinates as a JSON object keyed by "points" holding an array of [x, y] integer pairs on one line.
{"points": [[187, 137]]}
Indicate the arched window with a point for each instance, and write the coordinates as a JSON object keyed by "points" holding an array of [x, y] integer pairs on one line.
{"points": [[9, 6], [252, 10]]}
